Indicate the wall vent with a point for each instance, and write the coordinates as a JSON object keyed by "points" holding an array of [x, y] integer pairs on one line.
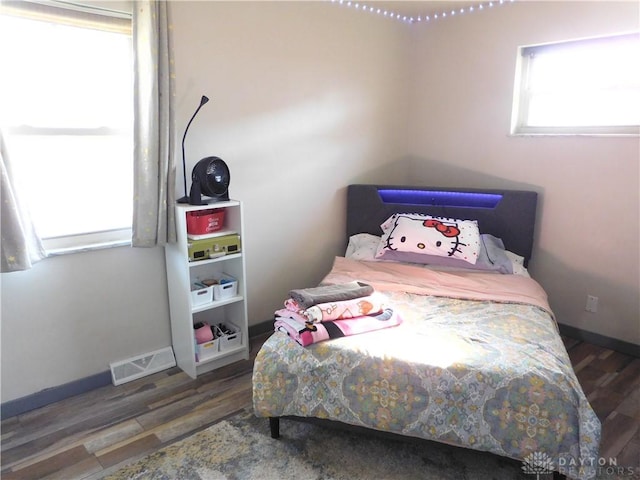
{"points": [[142, 365]]}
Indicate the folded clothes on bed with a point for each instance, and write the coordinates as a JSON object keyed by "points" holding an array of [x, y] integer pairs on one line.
{"points": [[356, 307], [289, 322], [308, 297]]}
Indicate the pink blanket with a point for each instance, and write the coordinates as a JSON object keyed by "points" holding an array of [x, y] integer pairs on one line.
{"points": [[389, 276], [293, 325], [356, 307]]}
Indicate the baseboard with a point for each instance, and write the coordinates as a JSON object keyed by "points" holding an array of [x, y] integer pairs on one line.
{"points": [[602, 341], [61, 392], [83, 385], [260, 328], [54, 394]]}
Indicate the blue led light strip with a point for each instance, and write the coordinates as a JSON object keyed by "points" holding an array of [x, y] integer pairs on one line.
{"points": [[440, 198]]}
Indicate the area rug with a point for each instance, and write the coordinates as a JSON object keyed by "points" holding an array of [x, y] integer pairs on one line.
{"points": [[241, 447]]}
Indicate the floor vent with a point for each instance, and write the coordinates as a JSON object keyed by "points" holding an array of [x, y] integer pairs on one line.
{"points": [[142, 365]]}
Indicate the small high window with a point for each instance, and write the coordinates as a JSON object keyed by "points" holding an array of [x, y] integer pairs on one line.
{"points": [[589, 86]]}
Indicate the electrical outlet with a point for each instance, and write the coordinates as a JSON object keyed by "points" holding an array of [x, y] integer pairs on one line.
{"points": [[592, 304]]}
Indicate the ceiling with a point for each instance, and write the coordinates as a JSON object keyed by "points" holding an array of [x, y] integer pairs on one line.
{"points": [[419, 8]]}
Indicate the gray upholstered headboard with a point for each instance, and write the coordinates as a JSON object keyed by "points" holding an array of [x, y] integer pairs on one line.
{"points": [[506, 214]]}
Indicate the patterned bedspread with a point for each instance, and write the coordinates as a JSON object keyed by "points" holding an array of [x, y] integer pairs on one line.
{"points": [[487, 375]]}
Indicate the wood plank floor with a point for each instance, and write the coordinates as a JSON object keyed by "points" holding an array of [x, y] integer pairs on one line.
{"points": [[90, 435]]}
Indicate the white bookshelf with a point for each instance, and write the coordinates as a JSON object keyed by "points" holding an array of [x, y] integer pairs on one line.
{"points": [[231, 310]]}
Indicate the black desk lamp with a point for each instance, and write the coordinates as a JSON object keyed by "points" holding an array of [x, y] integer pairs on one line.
{"points": [[185, 199]]}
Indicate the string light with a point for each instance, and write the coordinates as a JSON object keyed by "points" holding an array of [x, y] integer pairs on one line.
{"points": [[420, 19]]}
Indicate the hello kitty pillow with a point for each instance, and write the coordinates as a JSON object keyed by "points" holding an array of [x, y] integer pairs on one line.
{"points": [[424, 234]]}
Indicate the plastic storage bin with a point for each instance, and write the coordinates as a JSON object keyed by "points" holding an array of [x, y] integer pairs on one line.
{"points": [[230, 340], [200, 295], [206, 340], [207, 349], [227, 287]]}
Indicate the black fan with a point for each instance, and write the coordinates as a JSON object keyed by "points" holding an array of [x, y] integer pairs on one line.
{"points": [[210, 177]]}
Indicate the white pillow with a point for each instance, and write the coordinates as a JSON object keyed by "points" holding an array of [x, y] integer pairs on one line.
{"points": [[363, 246], [517, 263], [425, 234]]}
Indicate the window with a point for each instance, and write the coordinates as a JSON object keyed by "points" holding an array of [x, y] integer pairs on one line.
{"points": [[587, 86], [67, 115]]}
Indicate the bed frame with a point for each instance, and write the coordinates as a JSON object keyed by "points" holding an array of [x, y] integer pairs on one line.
{"points": [[506, 214]]}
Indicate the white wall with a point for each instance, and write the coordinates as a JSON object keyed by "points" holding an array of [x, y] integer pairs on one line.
{"points": [[304, 100], [69, 316], [588, 230], [306, 97]]}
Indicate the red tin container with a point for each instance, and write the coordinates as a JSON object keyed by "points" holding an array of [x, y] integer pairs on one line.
{"points": [[205, 221]]}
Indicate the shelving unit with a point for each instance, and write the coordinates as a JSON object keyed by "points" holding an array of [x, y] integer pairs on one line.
{"points": [[182, 273]]}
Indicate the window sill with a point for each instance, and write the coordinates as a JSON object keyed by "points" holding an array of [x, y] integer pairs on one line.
{"points": [[87, 242], [55, 252], [575, 134], [597, 131]]}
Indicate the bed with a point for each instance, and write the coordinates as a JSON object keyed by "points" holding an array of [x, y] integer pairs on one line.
{"points": [[477, 361]]}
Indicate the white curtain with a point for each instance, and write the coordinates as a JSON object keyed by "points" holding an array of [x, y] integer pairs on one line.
{"points": [[21, 246], [154, 166]]}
